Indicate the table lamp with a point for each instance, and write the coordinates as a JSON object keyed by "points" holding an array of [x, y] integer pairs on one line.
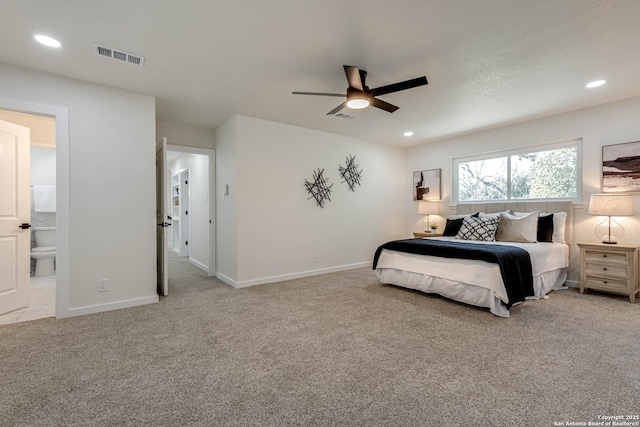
{"points": [[428, 207], [609, 205]]}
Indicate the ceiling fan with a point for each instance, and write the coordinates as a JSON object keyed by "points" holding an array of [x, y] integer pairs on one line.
{"points": [[360, 96]]}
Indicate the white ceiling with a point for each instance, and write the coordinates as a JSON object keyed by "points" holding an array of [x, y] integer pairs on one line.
{"points": [[488, 62]]}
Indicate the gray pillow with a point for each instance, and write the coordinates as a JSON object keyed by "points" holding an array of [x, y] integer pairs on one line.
{"points": [[523, 229]]}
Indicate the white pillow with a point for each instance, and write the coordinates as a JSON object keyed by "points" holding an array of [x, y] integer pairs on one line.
{"points": [[559, 225], [523, 228], [483, 229]]}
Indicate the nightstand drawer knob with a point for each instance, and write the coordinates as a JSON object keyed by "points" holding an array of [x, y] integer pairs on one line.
{"points": [[605, 269], [604, 256], [606, 282]]}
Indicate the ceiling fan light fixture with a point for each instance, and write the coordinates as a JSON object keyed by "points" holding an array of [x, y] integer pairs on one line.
{"points": [[356, 99], [358, 103]]}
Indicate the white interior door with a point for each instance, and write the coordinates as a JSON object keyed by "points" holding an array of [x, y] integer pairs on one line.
{"points": [[15, 239], [161, 218]]}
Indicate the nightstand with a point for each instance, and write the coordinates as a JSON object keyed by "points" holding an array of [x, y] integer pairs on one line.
{"points": [[418, 234], [609, 268]]}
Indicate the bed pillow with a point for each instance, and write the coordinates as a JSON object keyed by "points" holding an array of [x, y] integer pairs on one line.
{"points": [[477, 228], [462, 216], [494, 214], [523, 229], [545, 228], [454, 222], [559, 225]]}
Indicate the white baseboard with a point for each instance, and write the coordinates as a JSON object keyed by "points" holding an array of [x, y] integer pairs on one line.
{"points": [[199, 265], [99, 308], [572, 283], [229, 281], [291, 276]]}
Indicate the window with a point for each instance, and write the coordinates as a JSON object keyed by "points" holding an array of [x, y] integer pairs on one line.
{"points": [[550, 172]]}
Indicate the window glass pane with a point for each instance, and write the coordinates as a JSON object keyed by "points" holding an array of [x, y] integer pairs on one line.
{"points": [[550, 174], [482, 180], [545, 174]]}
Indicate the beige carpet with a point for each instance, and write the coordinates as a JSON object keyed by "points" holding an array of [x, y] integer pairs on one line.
{"points": [[340, 349]]}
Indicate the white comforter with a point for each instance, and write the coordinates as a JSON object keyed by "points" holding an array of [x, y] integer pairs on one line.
{"points": [[545, 257]]}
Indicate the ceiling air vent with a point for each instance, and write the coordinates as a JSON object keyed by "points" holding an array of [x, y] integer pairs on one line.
{"points": [[344, 116], [118, 55]]}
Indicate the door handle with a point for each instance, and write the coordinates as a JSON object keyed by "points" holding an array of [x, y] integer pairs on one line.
{"points": [[25, 226]]}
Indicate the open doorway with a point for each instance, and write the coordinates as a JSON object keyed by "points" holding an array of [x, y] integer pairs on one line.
{"points": [[61, 117], [190, 206], [40, 259]]}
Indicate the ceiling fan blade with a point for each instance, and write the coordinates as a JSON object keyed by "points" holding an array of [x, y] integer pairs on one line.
{"points": [[353, 77], [383, 105], [396, 87], [319, 94], [338, 108], [363, 77]]}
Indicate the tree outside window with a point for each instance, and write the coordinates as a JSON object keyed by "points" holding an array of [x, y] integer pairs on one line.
{"points": [[549, 174]]}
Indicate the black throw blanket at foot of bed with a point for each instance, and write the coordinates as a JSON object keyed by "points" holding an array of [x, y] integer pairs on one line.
{"points": [[514, 262]]}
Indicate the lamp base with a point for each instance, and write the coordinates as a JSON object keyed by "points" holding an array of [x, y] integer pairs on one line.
{"points": [[609, 231]]}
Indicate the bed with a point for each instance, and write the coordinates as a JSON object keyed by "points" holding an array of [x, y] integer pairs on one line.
{"points": [[479, 282]]}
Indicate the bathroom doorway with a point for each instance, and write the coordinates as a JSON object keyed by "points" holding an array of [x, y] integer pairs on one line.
{"points": [[42, 217], [190, 202]]}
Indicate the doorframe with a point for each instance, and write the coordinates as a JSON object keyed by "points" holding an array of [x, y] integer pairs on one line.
{"points": [[211, 154], [61, 116]]}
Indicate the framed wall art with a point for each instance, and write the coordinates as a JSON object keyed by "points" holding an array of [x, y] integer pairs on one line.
{"points": [[426, 185], [621, 168]]}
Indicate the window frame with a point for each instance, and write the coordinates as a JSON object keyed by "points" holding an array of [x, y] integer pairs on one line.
{"points": [[577, 143]]}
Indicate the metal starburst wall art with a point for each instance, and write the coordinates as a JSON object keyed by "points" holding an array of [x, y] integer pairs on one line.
{"points": [[318, 188], [350, 173]]}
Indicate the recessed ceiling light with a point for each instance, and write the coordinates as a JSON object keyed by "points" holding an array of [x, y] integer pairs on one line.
{"points": [[595, 83], [47, 41], [408, 133]]}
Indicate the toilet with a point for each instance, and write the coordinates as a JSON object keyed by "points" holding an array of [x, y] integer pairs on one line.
{"points": [[44, 252]]}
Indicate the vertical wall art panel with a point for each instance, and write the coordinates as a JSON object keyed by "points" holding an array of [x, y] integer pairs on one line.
{"points": [[621, 168], [426, 184]]}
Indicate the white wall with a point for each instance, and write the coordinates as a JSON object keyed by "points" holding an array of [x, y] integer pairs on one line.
{"points": [[187, 135], [112, 186], [279, 230], [198, 166], [43, 166], [602, 125], [227, 205]]}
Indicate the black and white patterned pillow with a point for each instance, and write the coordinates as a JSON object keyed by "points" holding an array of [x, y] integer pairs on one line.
{"points": [[483, 228]]}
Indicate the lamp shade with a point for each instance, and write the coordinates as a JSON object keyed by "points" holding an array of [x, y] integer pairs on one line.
{"points": [[429, 208], [611, 205]]}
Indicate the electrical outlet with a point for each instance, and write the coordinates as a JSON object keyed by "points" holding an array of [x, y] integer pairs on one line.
{"points": [[315, 258], [103, 285]]}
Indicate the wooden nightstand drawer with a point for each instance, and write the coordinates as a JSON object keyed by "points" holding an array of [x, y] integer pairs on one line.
{"points": [[620, 286], [604, 256], [607, 270]]}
